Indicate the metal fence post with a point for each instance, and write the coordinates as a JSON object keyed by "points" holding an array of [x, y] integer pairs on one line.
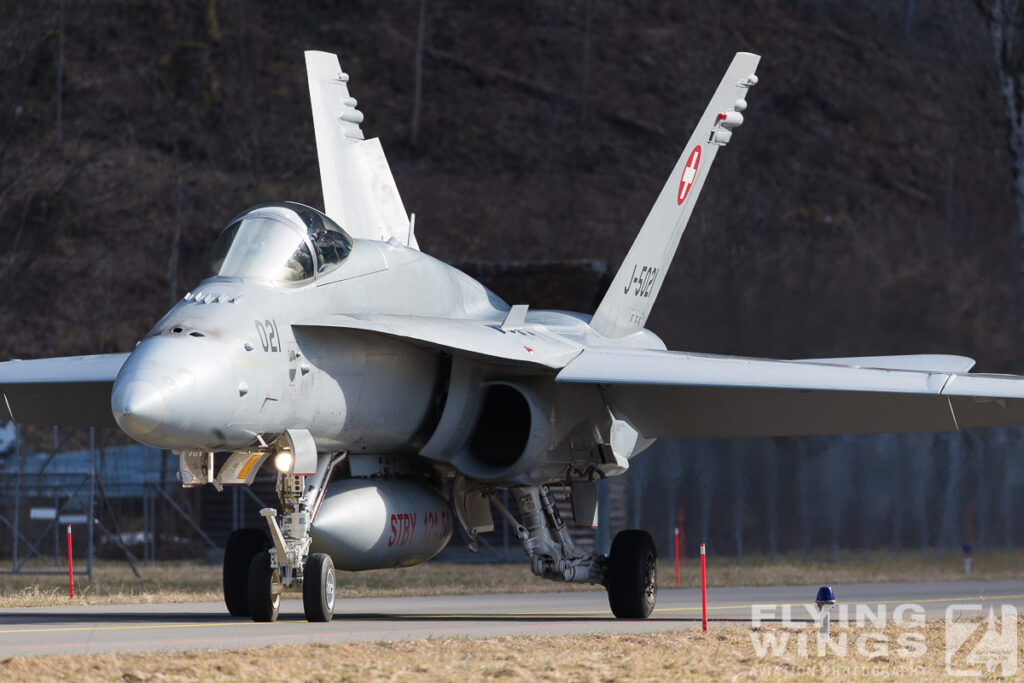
{"points": [[504, 527], [56, 532], [92, 494], [17, 496], [145, 523]]}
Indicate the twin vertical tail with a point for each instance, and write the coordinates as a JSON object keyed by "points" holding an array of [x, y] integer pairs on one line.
{"points": [[627, 304], [359, 189]]}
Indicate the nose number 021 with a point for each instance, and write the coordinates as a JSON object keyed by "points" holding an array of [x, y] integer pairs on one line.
{"points": [[269, 338]]}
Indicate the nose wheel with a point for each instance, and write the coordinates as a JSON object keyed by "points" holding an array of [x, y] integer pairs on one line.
{"points": [[632, 575], [242, 546], [318, 587], [265, 588]]}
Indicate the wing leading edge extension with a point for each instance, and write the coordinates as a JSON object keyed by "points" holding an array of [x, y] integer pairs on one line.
{"points": [[478, 339], [72, 391], [681, 395]]}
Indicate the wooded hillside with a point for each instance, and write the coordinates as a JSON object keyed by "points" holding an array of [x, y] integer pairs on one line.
{"points": [[865, 207]]}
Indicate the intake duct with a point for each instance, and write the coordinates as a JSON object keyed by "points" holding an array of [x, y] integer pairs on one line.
{"points": [[489, 430], [503, 428]]}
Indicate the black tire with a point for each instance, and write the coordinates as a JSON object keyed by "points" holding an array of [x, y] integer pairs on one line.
{"points": [[264, 602], [318, 587], [243, 545], [632, 575]]}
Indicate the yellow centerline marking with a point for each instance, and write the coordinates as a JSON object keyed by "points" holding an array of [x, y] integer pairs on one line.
{"points": [[485, 616], [714, 607], [138, 627]]}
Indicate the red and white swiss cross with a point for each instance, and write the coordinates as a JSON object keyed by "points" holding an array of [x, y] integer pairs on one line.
{"points": [[689, 174]]}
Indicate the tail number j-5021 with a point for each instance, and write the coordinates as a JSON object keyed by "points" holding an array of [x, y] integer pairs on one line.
{"points": [[269, 338], [643, 282]]}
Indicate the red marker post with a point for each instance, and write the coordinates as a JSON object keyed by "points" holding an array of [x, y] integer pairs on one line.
{"points": [[703, 590], [676, 536], [71, 569]]}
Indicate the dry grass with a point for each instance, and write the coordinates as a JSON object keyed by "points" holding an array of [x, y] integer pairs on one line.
{"points": [[113, 583], [881, 567], [727, 652]]}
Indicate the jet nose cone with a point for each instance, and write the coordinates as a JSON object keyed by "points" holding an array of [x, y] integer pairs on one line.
{"points": [[138, 407]]}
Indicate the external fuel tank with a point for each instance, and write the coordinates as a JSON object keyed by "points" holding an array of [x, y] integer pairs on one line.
{"points": [[371, 523]]}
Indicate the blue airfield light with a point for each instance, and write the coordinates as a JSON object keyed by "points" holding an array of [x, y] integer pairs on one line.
{"points": [[825, 600]]}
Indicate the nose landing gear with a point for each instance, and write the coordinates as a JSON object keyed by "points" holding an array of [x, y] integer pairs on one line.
{"points": [[318, 586], [243, 545], [258, 569], [265, 588]]}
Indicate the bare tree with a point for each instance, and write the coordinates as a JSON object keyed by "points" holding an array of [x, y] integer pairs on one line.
{"points": [[908, 16], [172, 262], [1005, 20], [60, 71], [418, 91], [585, 90]]}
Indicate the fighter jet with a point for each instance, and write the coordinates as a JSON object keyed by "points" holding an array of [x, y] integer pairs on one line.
{"points": [[396, 397]]}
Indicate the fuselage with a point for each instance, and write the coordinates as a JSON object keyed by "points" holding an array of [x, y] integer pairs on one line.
{"points": [[233, 364], [228, 362]]}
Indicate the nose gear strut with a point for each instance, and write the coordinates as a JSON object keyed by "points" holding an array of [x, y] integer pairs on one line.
{"points": [[288, 558]]}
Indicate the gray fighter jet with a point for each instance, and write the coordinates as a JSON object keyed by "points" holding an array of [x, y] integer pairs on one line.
{"points": [[395, 396]]}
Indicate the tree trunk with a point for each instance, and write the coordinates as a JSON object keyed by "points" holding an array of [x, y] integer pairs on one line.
{"points": [[172, 263], [1005, 20], [418, 90], [60, 72]]}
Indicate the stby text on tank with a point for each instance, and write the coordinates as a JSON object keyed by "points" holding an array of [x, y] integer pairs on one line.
{"points": [[396, 398]]}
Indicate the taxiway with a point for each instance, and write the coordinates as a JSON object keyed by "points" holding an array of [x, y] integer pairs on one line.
{"points": [[185, 626]]}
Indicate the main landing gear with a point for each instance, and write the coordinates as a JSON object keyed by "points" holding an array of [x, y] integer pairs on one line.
{"points": [[259, 567], [629, 573]]}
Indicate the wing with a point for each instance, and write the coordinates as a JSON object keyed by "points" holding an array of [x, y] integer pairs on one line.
{"points": [[73, 391], [672, 394], [929, 362], [477, 339], [359, 190]]}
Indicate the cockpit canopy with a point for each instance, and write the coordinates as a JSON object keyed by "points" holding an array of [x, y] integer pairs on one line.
{"points": [[280, 241]]}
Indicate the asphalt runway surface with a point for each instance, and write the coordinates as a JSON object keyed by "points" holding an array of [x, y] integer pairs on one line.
{"points": [[189, 626]]}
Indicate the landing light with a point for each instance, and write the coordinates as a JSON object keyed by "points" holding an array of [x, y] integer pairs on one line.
{"points": [[283, 461]]}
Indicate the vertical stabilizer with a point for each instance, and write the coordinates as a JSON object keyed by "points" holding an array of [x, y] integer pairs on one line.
{"points": [[359, 190], [628, 302]]}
